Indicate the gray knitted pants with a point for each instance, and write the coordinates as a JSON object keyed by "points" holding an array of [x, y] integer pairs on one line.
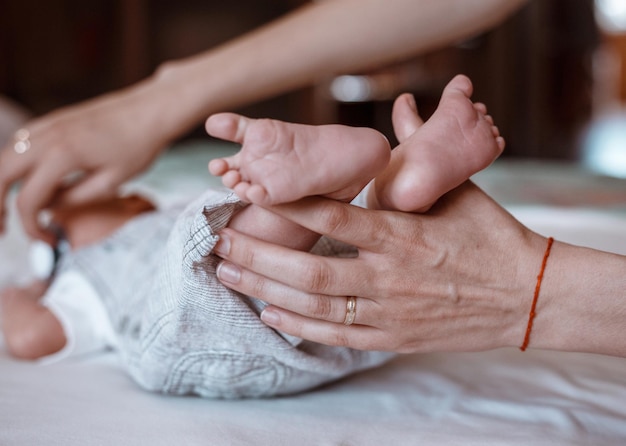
{"points": [[180, 331]]}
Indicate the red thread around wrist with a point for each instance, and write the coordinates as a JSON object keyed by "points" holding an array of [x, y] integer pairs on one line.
{"points": [[531, 315]]}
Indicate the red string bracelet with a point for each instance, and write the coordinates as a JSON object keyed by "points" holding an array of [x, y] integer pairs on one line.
{"points": [[531, 315]]}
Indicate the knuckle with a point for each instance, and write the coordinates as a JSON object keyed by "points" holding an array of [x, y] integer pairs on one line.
{"points": [[320, 307], [247, 258], [392, 231], [336, 217], [258, 288], [396, 233], [317, 277]]}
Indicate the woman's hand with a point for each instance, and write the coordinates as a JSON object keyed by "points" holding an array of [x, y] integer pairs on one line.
{"points": [[460, 277], [105, 141]]}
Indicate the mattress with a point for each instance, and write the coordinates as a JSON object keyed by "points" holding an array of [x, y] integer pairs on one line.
{"points": [[499, 397]]}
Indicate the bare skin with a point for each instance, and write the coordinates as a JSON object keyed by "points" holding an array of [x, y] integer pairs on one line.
{"points": [[281, 162], [113, 137], [30, 329], [459, 278], [434, 157], [300, 305]]}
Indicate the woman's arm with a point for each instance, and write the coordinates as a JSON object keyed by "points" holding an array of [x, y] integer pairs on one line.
{"points": [[113, 137], [459, 278], [322, 39], [583, 302]]}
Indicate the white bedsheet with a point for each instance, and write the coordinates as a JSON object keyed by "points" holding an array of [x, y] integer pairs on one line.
{"points": [[501, 397]]}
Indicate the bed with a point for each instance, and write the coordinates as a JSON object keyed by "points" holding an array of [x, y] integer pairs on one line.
{"points": [[500, 397]]}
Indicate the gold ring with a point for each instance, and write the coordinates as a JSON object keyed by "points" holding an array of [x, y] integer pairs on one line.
{"points": [[350, 311], [22, 141]]}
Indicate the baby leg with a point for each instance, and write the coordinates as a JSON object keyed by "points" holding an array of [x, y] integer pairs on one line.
{"points": [[281, 162], [30, 330], [94, 222], [459, 140]]}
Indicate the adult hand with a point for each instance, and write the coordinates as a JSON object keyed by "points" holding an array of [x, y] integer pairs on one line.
{"points": [[105, 141], [459, 278]]}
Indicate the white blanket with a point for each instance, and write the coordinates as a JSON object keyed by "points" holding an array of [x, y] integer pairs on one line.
{"points": [[501, 397]]}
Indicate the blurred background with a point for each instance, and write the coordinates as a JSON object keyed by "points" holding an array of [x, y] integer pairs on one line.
{"points": [[553, 75]]}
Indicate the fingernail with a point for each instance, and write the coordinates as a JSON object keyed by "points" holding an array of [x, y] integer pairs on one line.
{"points": [[270, 317], [228, 272], [222, 247]]}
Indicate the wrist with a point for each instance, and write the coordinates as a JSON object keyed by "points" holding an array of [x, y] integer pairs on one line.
{"points": [[520, 292], [533, 305], [164, 104], [194, 88], [582, 304]]}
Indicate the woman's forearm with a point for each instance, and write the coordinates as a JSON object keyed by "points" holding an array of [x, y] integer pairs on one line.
{"points": [[315, 41], [582, 304]]}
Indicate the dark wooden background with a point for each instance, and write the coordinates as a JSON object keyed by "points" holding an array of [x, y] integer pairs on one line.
{"points": [[534, 71]]}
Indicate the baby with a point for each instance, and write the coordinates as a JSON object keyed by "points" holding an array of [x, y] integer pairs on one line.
{"points": [[143, 281]]}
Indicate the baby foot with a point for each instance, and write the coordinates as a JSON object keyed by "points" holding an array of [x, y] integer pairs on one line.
{"points": [[281, 162], [459, 140]]}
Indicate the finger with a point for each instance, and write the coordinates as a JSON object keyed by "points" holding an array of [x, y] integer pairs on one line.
{"points": [[360, 337], [404, 117], [38, 190], [363, 228], [315, 306], [13, 167], [92, 187], [300, 270]]}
